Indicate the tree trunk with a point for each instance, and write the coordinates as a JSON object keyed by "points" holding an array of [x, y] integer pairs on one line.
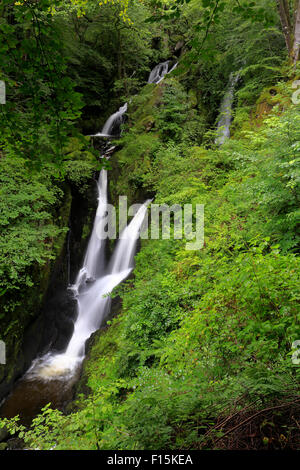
{"points": [[290, 22], [285, 19], [296, 43]]}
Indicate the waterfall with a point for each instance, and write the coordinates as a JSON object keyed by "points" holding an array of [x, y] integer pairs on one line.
{"points": [[94, 282], [159, 71], [92, 288], [92, 309], [93, 264], [125, 249], [225, 118], [112, 127]]}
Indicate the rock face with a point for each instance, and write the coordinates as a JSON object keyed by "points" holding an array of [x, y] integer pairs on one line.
{"points": [[48, 309], [3, 434], [179, 45]]}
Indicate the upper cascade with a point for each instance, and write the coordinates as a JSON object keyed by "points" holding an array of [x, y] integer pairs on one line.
{"points": [[112, 127], [159, 71]]}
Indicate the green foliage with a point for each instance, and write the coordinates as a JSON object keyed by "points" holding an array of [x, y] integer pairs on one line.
{"points": [[202, 333], [41, 102], [199, 330], [29, 211], [27, 228], [79, 163], [108, 58]]}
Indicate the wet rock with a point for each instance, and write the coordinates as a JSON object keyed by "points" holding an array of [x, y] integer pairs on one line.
{"points": [[15, 444], [179, 45], [3, 434]]}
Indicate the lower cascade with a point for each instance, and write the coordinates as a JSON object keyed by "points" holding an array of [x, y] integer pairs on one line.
{"points": [[93, 284]]}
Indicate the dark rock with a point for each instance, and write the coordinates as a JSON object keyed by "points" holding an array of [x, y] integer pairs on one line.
{"points": [[179, 45], [15, 444], [52, 309], [4, 434]]}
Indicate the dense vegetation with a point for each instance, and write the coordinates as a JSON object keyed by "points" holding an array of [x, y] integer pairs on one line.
{"points": [[201, 354]]}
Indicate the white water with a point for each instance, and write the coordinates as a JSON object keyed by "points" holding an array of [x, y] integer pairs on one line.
{"points": [[125, 250], [113, 123], [93, 264], [91, 289], [159, 72], [225, 118], [92, 309]]}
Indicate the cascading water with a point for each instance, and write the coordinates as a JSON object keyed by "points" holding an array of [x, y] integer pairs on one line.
{"points": [[112, 127], [223, 126], [159, 72], [92, 306], [91, 289], [93, 264], [123, 255]]}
